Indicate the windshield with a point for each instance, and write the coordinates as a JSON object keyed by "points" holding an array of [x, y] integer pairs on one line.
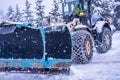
{"points": [[66, 9], [69, 7]]}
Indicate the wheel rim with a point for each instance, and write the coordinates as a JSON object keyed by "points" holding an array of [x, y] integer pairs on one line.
{"points": [[88, 47], [107, 39]]}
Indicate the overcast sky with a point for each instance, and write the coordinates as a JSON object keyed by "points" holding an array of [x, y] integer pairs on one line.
{"points": [[4, 4]]}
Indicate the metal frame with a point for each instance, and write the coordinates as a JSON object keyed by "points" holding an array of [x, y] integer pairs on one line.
{"points": [[36, 63]]}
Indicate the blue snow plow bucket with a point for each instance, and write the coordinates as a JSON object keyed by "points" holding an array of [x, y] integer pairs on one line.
{"points": [[24, 46]]}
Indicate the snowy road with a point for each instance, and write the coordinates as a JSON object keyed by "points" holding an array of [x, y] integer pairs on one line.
{"points": [[102, 67]]}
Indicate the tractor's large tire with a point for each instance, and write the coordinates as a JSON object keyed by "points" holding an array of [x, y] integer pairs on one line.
{"points": [[105, 41], [82, 47]]}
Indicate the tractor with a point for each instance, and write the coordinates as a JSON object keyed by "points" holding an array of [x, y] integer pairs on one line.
{"points": [[55, 47], [88, 30]]}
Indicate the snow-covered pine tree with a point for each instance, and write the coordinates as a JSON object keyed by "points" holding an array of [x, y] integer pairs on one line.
{"points": [[2, 17], [55, 9], [117, 8], [18, 15], [10, 16], [117, 14], [28, 13], [104, 7], [39, 12]]}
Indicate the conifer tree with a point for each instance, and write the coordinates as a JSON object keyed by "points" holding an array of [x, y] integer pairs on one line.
{"points": [[28, 13], [18, 15], [10, 14], [2, 17], [39, 12], [55, 9], [104, 7]]}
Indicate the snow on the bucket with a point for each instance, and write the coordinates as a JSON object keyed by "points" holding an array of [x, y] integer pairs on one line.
{"points": [[6, 30]]}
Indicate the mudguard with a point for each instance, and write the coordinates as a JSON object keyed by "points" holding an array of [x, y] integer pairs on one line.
{"points": [[80, 27], [100, 24]]}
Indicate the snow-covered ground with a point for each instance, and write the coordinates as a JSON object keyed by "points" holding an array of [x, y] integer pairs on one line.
{"points": [[102, 67]]}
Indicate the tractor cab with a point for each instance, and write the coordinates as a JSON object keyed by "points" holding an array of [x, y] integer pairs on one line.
{"points": [[68, 10]]}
